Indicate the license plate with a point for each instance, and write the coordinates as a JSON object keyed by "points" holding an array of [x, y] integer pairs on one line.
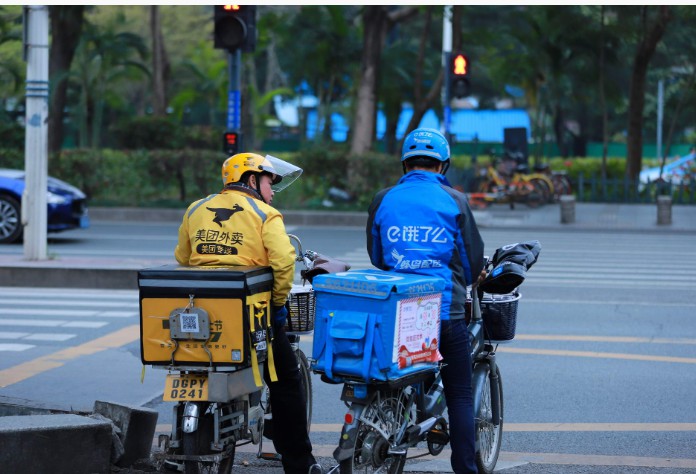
{"points": [[185, 387]]}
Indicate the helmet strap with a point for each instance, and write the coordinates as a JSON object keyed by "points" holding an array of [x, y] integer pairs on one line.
{"points": [[241, 186], [445, 167], [257, 188]]}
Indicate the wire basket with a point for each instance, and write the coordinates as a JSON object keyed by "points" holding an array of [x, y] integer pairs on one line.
{"points": [[302, 309], [499, 313]]}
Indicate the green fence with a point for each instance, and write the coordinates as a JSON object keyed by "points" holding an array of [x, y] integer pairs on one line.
{"points": [[624, 190]]}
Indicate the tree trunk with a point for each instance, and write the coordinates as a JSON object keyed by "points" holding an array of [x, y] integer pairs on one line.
{"points": [[421, 106], [66, 29], [602, 96], [636, 96], [375, 21], [160, 64], [559, 130]]}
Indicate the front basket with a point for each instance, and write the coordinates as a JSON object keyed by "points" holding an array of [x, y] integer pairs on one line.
{"points": [[302, 309], [499, 313]]}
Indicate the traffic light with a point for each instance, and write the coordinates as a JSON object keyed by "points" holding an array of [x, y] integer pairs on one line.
{"points": [[232, 142], [458, 72], [235, 27]]}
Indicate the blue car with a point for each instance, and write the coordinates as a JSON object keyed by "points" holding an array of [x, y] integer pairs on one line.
{"points": [[67, 206]]}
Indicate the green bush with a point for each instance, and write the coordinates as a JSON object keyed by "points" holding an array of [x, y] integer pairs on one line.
{"points": [[12, 158], [148, 133], [12, 135], [169, 178]]}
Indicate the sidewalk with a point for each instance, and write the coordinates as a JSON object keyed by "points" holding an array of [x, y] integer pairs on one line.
{"points": [[119, 273], [588, 216]]}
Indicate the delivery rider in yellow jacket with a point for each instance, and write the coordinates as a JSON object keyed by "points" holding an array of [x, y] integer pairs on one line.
{"points": [[238, 226]]}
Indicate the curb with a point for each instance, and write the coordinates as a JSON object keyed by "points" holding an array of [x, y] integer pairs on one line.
{"points": [[291, 217]]}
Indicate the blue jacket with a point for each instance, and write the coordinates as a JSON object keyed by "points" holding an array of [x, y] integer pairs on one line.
{"points": [[422, 225]]}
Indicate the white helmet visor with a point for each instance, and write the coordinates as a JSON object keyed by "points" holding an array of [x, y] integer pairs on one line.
{"points": [[286, 172]]}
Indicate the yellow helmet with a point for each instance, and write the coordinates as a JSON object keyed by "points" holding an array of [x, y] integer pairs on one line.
{"points": [[235, 166]]}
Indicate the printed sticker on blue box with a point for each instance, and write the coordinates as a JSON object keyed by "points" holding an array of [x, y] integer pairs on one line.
{"points": [[376, 325]]}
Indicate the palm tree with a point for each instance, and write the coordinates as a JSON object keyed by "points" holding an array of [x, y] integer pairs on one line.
{"points": [[103, 58]]}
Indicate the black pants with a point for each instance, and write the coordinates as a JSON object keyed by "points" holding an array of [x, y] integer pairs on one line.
{"points": [[290, 436]]}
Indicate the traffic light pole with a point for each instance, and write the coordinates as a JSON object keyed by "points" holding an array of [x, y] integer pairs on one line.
{"points": [[234, 98], [446, 50]]}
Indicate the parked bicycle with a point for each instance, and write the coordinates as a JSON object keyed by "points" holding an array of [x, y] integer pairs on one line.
{"points": [[388, 416], [504, 181], [560, 180], [209, 328]]}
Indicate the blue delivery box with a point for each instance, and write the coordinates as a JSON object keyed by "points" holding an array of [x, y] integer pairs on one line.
{"points": [[373, 325]]}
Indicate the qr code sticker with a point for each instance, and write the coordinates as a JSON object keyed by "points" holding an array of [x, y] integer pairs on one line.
{"points": [[189, 322]]}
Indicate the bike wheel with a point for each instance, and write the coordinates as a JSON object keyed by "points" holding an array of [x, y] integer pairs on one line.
{"points": [[306, 376], [489, 436], [545, 187], [198, 443], [380, 423], [561, 185], [533, 196]]}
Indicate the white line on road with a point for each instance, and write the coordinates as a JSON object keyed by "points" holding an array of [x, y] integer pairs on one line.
{"points": [[67, 313], [39, 336], [51, 323], [14, 347], [69, 302]]}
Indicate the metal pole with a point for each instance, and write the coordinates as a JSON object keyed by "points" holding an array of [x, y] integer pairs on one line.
{"points": [[446, 50], [234, 102], [34, 199]]}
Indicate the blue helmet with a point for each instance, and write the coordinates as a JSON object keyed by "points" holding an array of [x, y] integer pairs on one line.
{"points": [[426, 142]]}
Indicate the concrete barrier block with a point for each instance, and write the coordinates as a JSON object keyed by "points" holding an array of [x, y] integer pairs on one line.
{"points": [[137, 426], [59, 444]]}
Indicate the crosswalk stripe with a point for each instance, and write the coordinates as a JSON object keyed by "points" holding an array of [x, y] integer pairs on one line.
{"points": [[76, 313], [51, 323], [73, 302], [49, 337], [120, 314], [81, 294], [85, 324], [14, 347], [36, 336], [13, 335], [592, 264]]}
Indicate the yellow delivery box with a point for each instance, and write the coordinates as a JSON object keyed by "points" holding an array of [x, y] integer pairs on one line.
{"points": [[204, 316]]}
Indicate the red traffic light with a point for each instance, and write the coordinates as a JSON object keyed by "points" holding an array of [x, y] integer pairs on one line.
{"points": [[231, 142], [231, 138], [460, 64]]}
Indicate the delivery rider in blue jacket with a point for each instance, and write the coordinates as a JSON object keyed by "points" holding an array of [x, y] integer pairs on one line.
{"points": [[238, 226], [422, 225]]}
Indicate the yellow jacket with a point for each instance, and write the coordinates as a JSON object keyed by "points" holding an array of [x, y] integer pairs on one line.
{"points": [[234, 228]]}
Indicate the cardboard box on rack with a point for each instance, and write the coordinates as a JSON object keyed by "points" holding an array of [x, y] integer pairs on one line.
{"points": [[376, 325]]}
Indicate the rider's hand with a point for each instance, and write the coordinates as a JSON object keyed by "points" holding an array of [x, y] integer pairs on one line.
{"points": [[279, 315], [481, 276]]}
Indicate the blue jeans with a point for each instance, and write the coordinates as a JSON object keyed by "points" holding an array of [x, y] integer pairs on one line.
{"points": [[456, 378]]}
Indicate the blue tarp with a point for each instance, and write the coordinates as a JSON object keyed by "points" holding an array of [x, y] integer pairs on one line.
{"points": [[673, 171], [466, 124]]}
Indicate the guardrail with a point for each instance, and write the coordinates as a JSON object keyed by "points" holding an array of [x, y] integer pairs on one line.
{"points": [[624, 190]]}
